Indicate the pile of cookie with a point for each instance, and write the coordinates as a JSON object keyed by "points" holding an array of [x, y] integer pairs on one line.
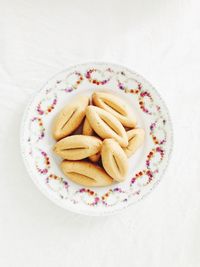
{"points": [[98, 156]]}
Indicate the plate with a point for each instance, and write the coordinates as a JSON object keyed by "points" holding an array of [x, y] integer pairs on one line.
{"points": [[147, 166]]}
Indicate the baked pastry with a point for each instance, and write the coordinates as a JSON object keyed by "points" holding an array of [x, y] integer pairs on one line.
{"points": [[77, 147], [70, 117], [103, 135], [116, 107], [114, 160], [106, 125], [86, 173], [135, 140], [87, 130]]}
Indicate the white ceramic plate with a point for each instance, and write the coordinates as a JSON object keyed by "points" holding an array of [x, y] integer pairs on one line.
{"points": [[146, 166]]}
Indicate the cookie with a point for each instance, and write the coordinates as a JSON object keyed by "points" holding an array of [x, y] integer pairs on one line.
{"points": [[77, 147], [116, 106], [70, 117], [114, 160], [106, 125], [135, 140], [86, 173]]}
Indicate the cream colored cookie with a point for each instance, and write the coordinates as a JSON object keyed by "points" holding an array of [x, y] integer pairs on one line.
{"points": [[106, 125], [70, 117], [86, 173], [77, 147], [116, 106], [135, 140], [87, 130], [114, 160]]}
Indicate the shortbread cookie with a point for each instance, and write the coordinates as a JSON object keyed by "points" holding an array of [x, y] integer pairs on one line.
{"points": [[106, 125], [86, 173], [135, 140], [70, 117], [77, 147], [114, 160], [116, 106]]}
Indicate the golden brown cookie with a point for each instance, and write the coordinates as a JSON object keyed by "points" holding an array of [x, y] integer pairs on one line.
{"points": [[114, 160], [135, 140], [106, 125], [86, 173], [70, 117], [116, 106], [77, 147]]}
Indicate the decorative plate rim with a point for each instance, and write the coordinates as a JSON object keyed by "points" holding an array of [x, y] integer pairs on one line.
{"points": [[54, 199]]}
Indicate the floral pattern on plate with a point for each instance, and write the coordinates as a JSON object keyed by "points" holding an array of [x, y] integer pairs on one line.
{"points": [[147, 167]]}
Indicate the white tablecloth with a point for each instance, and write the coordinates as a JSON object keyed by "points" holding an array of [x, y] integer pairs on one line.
{"points": [[159, 39]]}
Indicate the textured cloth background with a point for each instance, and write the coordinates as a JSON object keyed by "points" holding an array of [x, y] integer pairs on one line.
{"points": [[157, 38]]}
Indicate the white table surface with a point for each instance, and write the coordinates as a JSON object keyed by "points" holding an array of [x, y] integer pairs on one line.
{"points": [[160, 39]]}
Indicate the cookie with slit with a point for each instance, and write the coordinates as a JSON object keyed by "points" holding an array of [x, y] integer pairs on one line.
{"points": [[86, 173]]}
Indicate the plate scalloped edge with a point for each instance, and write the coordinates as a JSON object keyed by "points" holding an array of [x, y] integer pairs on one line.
{"points": [[54, 198]]}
